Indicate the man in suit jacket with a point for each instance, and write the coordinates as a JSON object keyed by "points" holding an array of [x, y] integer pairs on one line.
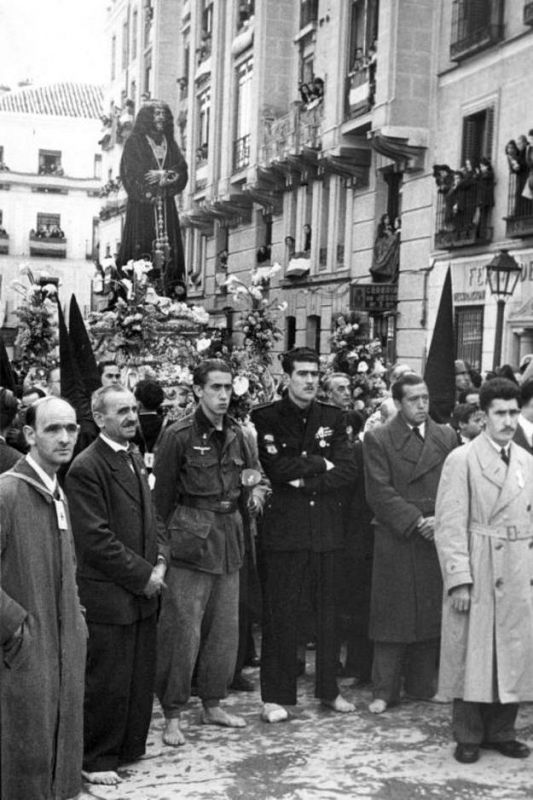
{"points": [[484, 537], [303, 447], [403, 462], [121, 570], [524, 430]]}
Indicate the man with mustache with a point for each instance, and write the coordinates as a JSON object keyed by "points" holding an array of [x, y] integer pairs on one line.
{"points": [[121, 570], [484, 538]]}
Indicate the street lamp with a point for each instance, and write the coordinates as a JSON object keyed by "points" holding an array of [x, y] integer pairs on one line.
{"points": [[502, 275]]}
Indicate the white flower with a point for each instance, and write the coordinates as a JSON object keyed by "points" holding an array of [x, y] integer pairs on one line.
{"points": [[283, 306], [200, 315], [24, 269], [241, 384], [127, 267], [362, 366], [256, 292], [203, 344], [128, 285], [50, 288], [275, 268]]}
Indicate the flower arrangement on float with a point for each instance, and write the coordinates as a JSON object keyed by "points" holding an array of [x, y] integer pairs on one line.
{"points": [[157, 337], [37, 336]]}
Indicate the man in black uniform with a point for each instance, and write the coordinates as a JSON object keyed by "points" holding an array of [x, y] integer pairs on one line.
{"points": [[304, 451]]}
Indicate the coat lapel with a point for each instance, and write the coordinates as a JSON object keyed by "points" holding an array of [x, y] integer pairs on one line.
{"points": [[433, 451], [514, 478], [120, 471]]}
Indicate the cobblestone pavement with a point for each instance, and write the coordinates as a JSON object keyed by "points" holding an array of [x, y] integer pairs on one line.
{"points": [[404, 754]]}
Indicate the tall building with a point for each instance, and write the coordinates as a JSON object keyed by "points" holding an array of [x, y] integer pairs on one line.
{"points": [[485, 49], [50, 176], [311, 129]]}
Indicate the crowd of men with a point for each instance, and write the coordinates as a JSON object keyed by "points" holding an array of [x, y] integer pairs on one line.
{"points": [[124, 569]]}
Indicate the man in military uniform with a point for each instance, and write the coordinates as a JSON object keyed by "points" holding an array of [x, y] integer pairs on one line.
{"points": [[304, 451], [198, 472]]}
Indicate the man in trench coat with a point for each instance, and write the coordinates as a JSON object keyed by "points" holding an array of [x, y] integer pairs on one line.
{"points": [[484, 538], [42, 631], [403, 462]]}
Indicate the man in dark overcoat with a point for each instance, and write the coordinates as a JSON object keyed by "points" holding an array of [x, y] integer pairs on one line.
{"points": [[121, 569], [403, 462], [304, 451], [42, 631]]}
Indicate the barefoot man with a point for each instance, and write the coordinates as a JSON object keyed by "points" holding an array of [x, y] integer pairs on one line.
{"points": [[121, 567], [197, 492]]}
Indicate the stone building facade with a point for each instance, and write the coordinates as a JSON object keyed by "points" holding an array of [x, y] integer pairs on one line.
{"points": [[308, 123]]}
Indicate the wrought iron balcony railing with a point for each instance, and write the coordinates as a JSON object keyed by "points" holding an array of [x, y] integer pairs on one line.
{"points": [[519, 219], [463, 223], [288, 134], [360, 90], [53, 247], [241, 153]]}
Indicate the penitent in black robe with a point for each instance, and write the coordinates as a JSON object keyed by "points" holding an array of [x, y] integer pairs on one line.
{"points": [[139, 229]]}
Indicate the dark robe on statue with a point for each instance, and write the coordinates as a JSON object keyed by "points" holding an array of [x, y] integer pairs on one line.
{"points": [[140, 228]]}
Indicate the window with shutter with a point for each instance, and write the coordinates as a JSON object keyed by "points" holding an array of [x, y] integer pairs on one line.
{"points": [[476, 24]]}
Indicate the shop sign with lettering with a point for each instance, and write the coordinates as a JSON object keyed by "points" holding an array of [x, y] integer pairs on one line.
{"points": [[374, 297]]}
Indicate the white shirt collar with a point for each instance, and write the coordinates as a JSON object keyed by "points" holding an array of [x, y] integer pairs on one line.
{"points": [[421, 428], [499, 447], [51, 484], [527, 427], [114, 445]]}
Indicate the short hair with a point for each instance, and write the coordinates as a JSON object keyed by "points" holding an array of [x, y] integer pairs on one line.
{"points": [[407, 379], [150, 393], [289, 358], [498, 389], [462, 396], [526, 391], [462, 413], [326, 383], [31, 412], [99, 397], [8, 407], [108, 362], [201, 372]]}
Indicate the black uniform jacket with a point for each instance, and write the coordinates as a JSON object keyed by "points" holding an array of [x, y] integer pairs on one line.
{"points": [[295, 443]]}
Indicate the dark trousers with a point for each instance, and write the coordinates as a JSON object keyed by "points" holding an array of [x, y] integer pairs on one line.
{"points": [[416, 662], [198, 626], [292, 582], [474, 723], [119, 686]]}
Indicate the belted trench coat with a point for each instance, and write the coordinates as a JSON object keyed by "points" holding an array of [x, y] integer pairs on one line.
{"points": [[484, 537]]}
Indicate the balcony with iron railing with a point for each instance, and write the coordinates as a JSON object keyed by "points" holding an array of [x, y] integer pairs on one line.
{"points": [[360, 90], [475, 28], [51, 247], [461, 222], [241, 153], [286, 135], [519, 219], [528, 14]]}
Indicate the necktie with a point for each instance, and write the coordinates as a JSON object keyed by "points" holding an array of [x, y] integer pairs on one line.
{"points": [[416, 431], [127, 456], [504, 456]]}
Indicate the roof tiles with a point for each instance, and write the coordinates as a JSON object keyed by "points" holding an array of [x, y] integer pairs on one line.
{"points": [[56, 99]]}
